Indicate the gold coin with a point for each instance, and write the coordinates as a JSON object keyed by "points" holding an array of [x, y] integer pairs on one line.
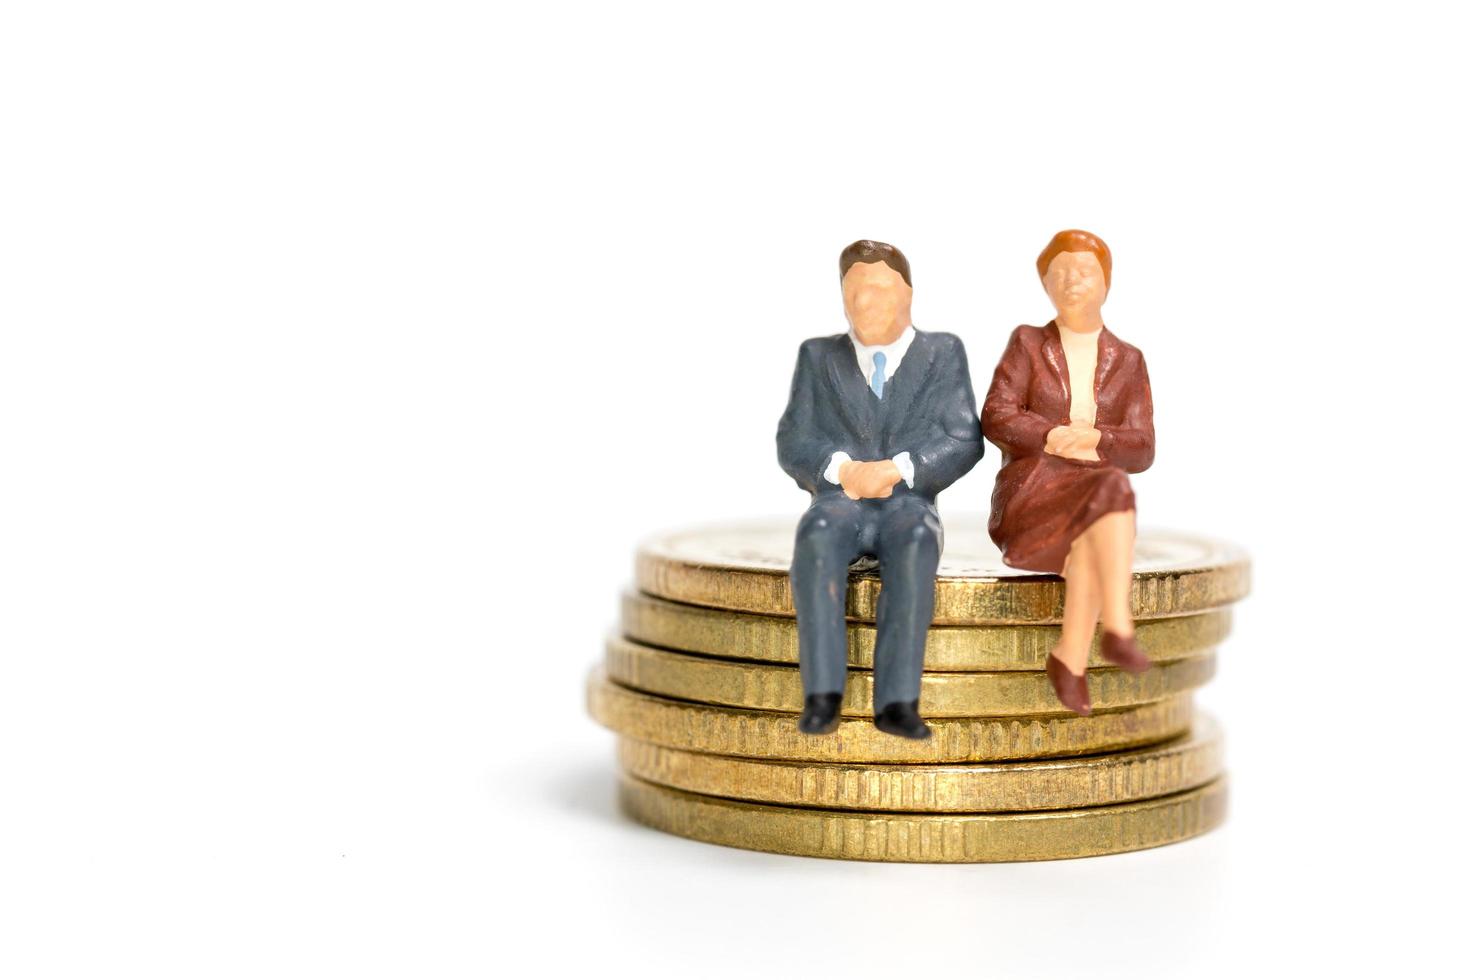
{"points": [[767, 687], [744, 567], [749, 636], [1041, 836], [1094, 780], [774, 735]]}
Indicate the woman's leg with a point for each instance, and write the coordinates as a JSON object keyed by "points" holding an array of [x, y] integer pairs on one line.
{"points": [[1082, 603], [1110, 545]]}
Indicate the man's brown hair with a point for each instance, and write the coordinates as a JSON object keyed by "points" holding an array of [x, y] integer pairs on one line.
{"points": [[1074, 240], [869, 251]]}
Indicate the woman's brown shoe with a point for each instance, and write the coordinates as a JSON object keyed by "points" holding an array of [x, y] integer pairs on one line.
{"points": [[1071, 688], [1123, 651]]}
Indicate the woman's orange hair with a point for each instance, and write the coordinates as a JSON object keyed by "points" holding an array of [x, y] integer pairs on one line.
{"points": [[1073, 240]]}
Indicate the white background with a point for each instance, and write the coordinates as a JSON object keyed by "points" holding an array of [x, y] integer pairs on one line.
{"points": [[349, 349]]}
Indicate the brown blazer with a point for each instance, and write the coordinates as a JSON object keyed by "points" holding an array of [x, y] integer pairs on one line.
{"points": [[1030, 395]]}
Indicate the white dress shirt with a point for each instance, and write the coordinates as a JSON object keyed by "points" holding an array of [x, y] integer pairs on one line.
{"points": [[894, 351], [893, 354]]}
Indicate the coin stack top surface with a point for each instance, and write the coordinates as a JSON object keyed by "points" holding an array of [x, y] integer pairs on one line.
{"points": [[745, 567]]}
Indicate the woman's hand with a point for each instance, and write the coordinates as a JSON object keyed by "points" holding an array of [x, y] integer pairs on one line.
{"points": [[1075, 441]]}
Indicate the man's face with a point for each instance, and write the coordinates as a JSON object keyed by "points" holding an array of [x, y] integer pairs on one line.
{"points": [[1075, 281], [877, 302]]}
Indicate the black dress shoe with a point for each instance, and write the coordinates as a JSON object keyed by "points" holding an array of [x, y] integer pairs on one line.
{"points": [[822, 713], [901, 718]]}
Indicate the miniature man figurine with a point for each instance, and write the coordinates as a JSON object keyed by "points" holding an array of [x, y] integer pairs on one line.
{"points": [[880, 420]]}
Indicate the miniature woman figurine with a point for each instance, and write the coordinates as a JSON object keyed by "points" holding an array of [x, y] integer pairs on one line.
{"points": [[1071, 410]]}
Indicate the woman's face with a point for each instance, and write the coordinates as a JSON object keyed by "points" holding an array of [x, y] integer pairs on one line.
{"points": [[1075, 282]]}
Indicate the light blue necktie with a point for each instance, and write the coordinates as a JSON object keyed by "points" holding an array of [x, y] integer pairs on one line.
{"points": [[879, 360]]}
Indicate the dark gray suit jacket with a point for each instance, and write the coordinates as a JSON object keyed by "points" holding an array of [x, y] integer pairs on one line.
{"points": [[927, 410]]}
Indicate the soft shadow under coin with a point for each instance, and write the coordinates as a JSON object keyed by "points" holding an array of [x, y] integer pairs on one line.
{"points": [[587, 790]]}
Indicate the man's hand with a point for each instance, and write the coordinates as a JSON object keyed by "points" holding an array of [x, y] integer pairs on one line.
{"points": [[862, 481], [1075, 441]]}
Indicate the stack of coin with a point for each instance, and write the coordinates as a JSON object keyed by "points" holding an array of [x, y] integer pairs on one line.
{"points": [[702, 686]]}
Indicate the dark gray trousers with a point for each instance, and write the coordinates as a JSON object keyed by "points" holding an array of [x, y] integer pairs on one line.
{"points": [[903, 532]]}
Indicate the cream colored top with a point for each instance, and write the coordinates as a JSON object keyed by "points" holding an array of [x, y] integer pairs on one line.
{"points": [[1081, 351]]}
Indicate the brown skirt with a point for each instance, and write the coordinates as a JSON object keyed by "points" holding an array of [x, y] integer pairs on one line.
{"points": [[1042, 503]]}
